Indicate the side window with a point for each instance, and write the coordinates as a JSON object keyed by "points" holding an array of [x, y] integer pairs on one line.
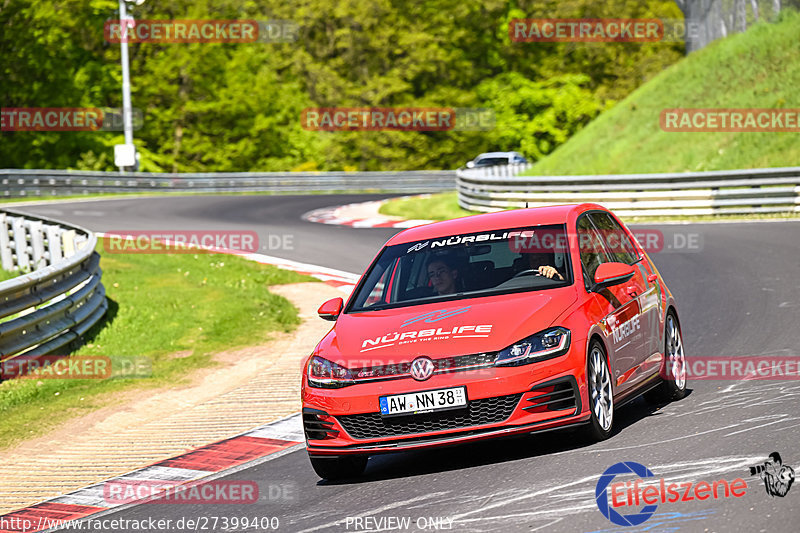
{"points": [[615, 238], [592, 250], [379, 290]]}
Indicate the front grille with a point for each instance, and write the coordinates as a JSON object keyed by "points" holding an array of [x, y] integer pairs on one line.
{"points": [[477, 413], [442, 365], [469, 360]]}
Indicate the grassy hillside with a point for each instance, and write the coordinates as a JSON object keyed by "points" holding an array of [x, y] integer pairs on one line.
{"points": [[759, 68]]}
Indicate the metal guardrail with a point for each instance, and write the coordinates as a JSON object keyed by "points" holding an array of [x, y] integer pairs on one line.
{"points": [[16, 183], [60, 297], [767, 190]]}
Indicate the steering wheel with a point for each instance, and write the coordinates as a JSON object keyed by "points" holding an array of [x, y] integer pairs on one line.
{"points": [[526, 272]]}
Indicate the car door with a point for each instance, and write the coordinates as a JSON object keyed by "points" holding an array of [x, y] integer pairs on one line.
{"points": [[638, 330], [617, 306]]}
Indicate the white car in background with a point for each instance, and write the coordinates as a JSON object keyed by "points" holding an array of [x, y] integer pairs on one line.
{"points": [[490, 159]]}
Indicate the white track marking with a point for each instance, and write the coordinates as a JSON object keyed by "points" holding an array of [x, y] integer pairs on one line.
{"points": [[784, 419], [527, 496], [654, 444]]}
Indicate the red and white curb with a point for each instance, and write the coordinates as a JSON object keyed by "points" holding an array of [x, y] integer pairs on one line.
{"points": [[339, 279], [213, 460], [353, 215], [344, 281]]}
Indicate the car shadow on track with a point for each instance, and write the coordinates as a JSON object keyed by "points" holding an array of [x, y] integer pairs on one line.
{"points": [[422, 462]]}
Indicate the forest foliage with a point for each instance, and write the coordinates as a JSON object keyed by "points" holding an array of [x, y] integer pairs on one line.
{"points": [[213, 107]]}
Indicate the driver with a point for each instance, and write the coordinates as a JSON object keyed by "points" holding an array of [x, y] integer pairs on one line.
{"points": [[443, 275], [540, 262]]}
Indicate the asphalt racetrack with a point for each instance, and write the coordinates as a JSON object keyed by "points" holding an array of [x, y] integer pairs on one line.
{"points": [[738, 292]]}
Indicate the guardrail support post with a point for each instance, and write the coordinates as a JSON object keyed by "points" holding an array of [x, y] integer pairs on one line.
{"points": [[6, 258], [21, 244]]}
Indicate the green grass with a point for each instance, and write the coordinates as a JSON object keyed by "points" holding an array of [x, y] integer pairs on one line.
{"points": [[6, 274], [756, 69], [195, 304], [444, 206]]}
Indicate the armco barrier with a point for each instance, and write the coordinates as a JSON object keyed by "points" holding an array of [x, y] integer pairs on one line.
{"points": [[33, 183], [767, 190], [60, 297]]}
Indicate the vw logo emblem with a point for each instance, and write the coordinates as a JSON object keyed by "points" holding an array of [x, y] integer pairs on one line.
{"points": [[421, 368]]}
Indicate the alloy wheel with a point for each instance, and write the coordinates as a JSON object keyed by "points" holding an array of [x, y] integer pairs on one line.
{"points": [[675, 357], [601, 392]]}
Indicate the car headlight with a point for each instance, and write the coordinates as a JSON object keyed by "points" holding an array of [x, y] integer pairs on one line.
{"points": [[546, 344], [327, 374]]}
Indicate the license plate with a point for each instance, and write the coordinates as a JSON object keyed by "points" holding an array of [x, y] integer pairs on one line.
{"points": [[424, 401]]}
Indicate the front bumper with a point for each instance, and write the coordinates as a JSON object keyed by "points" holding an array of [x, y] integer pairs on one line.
{"points": [[537, 397]]}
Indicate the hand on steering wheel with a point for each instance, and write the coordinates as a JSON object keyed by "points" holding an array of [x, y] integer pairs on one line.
{"points": [[549, 272], [526, 272]]}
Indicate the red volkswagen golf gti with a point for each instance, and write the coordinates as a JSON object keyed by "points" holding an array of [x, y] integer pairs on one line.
{"points": [[487, 326]]}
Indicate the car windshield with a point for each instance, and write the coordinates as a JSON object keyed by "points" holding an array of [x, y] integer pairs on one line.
{"points": [[491, 161], [466, 266]]}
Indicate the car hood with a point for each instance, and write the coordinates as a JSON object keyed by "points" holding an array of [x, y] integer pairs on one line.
{"points": [[443, 329]]}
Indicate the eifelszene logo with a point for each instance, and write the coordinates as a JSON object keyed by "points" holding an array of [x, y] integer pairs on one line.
{"points": [[651, 493], [601, 495]]}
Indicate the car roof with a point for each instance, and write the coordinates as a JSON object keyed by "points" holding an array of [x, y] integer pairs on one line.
{"points": [[496, 154], [516, 218]]}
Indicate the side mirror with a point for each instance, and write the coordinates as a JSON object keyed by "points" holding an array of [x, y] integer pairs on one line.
{"points": [[331, 309], [470, 164], [610, 274]]}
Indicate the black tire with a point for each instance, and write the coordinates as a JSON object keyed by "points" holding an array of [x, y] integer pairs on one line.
{"points": [[601, 391], [339, 467], [673, 387]]}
